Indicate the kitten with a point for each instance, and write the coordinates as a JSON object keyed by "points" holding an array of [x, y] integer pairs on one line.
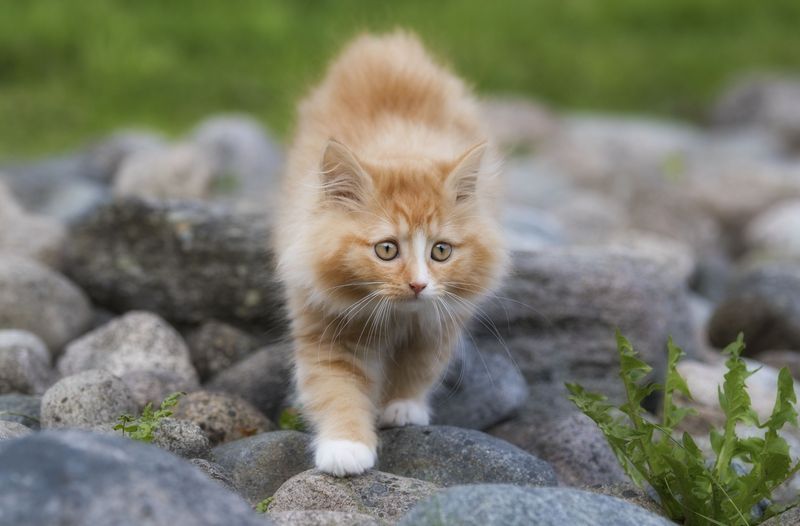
{"points": [[387, 235]]}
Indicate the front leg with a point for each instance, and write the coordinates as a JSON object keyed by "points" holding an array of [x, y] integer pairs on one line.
{"points": [[410, 377], [334, 388]]}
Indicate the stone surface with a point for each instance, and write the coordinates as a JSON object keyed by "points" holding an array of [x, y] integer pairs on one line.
{"points": [[261, 463], [216, 473], [577, 450], [103, 158], [322, 518], [137, 341], [790, 517], [24, 363], [9, 430], [776, 231], [38, 300], [478, 391], [74, 478], [153, 386], [23, 409], [182, 438], [628, 492], [223, 417], [186, 261], [181, 171], [779, 359], [264, 379], [518, 123], [384, 496], [28, 235], [215, 346], [506, 505], [763, 303], [86, 399], [447, 456]]}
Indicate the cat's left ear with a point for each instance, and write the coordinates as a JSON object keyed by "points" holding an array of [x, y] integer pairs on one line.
{"points": [[463, 179]]}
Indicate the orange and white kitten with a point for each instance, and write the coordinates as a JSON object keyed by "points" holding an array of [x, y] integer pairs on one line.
{"points": [[387, 235]]}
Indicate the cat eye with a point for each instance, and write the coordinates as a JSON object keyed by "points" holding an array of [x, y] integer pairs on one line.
{"points": [[386, 250], [441, 251]]}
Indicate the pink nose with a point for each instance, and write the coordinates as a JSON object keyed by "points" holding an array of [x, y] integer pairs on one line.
{"points": [[417, 287]]}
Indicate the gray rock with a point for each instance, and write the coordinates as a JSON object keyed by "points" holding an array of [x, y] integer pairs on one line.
{"points": [[28, 235], [264, 379], [216, 345], [75, 478], [478, 391], [506, 505], [577, 450], [104, 158], [10, 430], [38, 300], [559, 310], [764, 304], [137, 341], [322, 518], [23, 409], [779, 359], [186, 261], [776, 231], [790, 517], [223, 417], [216, 473], [183, 171], [768, 102], [628, 492], [182, 438], [86, 399], [447, 456], [261, 463], [24, 363], [383, 496], [153, 386], [518, 123]]}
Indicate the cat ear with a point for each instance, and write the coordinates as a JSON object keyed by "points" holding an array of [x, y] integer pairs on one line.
{"points": [[343, 178], [463, 179]]}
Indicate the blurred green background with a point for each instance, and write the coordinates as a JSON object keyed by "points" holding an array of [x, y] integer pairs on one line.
{"points": [[71, 71]]}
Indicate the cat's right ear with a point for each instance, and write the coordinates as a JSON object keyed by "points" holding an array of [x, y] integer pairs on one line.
{"points": [[344, 181]]}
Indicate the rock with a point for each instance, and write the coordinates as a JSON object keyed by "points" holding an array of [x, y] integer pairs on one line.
{"points": [[23, 409], [74, 478], [447, 456], [559, 310], [322, 518], [183, 171], [768, 102], [152, 386], [104, 158], [86, 399], [40, 301], [137, 341], [507, 505], [529, 229], [264, 379], [216, 472], [222, 416], [186, 261], [790, 517], [628, 492], [518, 122], [31, 236], [261, 463], [246, 159], [215, 346], [764, 304], [24, 363], [9, 430], [779, 359], [478, 391], [577, 450], [182, 438], [776, 231], [383, 496]]}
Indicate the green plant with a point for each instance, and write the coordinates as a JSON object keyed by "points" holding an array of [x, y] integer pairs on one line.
{"points": [[142, 428], [689, 487], [262, 506], [290, 418]]}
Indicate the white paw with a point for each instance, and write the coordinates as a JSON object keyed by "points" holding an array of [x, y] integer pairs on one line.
{"points": [[404, 412], [343, 457]]}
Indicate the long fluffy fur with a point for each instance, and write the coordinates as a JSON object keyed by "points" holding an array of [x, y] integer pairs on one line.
{"points": [[388, 147]]}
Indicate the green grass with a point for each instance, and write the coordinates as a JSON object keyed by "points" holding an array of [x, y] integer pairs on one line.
{"points": [[73, 70]]}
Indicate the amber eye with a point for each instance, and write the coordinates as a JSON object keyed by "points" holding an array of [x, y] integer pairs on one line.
{"points": [[386, 250], [441, 251]]}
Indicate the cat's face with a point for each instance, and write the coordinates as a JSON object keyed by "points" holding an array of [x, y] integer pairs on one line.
{"points": [[409, 231]]}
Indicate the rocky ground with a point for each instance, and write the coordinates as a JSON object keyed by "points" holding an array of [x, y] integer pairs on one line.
{"points": [[139, 267]]}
